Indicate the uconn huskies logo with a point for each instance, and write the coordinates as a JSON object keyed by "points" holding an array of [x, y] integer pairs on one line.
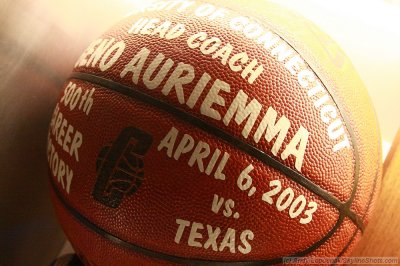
{"points": [[120, 167]]}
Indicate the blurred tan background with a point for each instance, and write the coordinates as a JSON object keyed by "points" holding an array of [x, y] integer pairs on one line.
{"points": [[40, 41]]}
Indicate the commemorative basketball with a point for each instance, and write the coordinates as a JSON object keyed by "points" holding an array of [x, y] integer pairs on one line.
{"points": [[213, 133]]}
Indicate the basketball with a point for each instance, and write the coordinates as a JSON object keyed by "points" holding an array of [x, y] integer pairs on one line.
{"points": [[213, 133]]}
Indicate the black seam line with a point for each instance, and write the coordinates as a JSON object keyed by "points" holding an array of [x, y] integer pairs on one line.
{"points": [[172, 258], [347, 205], [245, 147], [373, 192]]}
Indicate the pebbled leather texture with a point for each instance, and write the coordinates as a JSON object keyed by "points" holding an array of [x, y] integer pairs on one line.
{"points": [[172, 189]]}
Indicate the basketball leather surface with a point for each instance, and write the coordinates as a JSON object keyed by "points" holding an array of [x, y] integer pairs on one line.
{"points": [[155, 159]]}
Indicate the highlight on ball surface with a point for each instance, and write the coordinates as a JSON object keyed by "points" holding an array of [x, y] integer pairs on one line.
{"points": [[213, 133]]}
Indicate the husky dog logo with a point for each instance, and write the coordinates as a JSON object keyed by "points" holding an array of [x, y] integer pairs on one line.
{"points": [[120, 167]]}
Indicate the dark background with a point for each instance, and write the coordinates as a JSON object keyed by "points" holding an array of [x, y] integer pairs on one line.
{"points": [[39, 43]]}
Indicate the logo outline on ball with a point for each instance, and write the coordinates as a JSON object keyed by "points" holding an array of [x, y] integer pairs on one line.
{"points": [[120, 167]]}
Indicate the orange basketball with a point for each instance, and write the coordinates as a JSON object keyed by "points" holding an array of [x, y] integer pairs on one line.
{"points": [[213, 133]]}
